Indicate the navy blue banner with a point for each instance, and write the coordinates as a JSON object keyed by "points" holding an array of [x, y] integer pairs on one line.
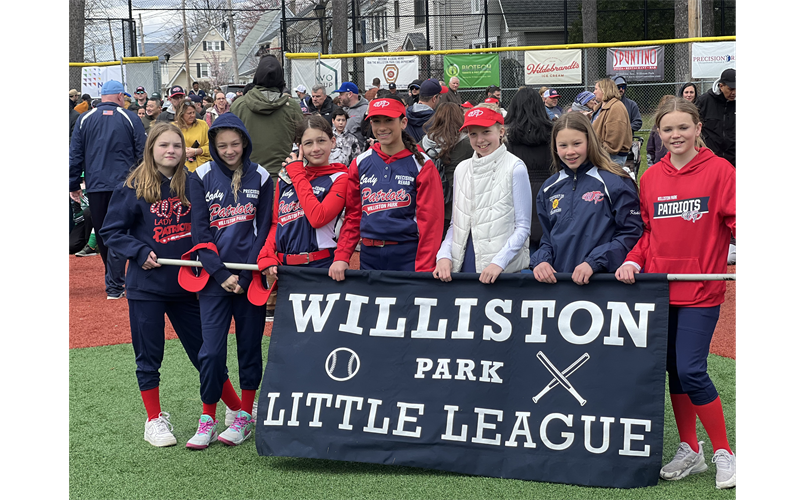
{"points": [[516, 379]]}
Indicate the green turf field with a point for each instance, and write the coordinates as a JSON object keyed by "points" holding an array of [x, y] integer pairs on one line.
{"points": [[110, 460]]}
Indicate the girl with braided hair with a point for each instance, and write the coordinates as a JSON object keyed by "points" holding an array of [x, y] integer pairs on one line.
{"points": [[395, 204]]}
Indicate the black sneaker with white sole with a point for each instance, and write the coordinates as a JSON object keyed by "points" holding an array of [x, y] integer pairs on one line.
{"points": [[269, 315], [87, 251]]}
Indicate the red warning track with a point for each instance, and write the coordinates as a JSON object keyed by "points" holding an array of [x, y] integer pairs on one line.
{"points": [[96, 321]]}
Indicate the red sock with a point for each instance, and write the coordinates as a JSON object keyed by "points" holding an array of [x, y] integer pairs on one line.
{"points": [[151, 401], [247, 400], [230, 397], [209, 409], [685, 416], [712, 417]]}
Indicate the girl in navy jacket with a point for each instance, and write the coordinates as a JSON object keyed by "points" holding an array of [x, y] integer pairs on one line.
{"points": [[589, 209], [149, 217], [309, 199], [395, 202], [232, 197]]}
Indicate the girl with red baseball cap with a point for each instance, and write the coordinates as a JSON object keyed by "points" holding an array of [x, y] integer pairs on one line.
{"points": [[395, 205], [491, 218]]}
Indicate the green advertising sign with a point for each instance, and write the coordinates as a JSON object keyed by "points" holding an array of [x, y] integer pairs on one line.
{"points": [[473, 70]]}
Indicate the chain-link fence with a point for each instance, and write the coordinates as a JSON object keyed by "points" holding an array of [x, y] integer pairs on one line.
{"points": [[117, 28]]}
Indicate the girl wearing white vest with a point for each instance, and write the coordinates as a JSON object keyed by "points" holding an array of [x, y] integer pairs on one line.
{"points": [[491, 219]]}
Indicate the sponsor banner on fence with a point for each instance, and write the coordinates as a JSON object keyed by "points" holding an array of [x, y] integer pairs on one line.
{"points": [[309, 72], [93, 77], [517, 379], [549, 67], [400, 70], [709, 59], [640, 64], [473, 70]]}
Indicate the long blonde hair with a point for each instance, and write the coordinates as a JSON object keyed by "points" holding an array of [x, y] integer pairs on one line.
{"points": [[596, 154], [146, 179], [608, 89]]}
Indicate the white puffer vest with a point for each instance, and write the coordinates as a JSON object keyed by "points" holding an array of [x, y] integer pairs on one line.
{"points": [[483, 203]]}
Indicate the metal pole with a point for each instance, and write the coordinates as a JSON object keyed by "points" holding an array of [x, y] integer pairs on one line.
{"points": [[132, 34], [486, 24], [235, 76], [253, 267], [427, 24], [566, 28]]}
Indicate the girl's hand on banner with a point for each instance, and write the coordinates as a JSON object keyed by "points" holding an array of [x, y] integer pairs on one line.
{"points": [[270, 271], [582, 273], [443, 269], [544, 273], [337, 270], [490, 273], [626, 273]]}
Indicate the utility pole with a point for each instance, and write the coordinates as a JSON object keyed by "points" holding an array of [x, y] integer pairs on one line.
{"points": [[142, 37], [114, 55], [186, 48], [694, 18], [235, 76], [340, 34]]}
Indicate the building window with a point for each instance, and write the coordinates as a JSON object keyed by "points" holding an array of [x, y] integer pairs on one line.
{"points": [[202, 70], [477, 6], [379, 27], [396, 15], [215, 46], [419, 12]]}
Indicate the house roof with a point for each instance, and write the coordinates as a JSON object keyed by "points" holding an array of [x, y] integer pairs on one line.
{"points": [[162, 48], [266, 27], [523, 15], [418, 41]]}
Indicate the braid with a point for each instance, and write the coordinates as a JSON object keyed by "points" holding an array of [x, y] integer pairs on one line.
{"points": [[410, 145], [236, 181]]}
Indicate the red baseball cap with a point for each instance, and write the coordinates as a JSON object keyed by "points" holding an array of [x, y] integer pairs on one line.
{"points": [[483, 117], [492, 100], [386, 107], [467, 104], [187, 277]]}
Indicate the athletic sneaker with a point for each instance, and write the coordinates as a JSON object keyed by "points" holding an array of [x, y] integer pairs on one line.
{"points": [[269, 315], [232, 414], [158, 431], [685, 462], [205, 433], [87, 251], [725, 469], [115, 296], [239, 431]]}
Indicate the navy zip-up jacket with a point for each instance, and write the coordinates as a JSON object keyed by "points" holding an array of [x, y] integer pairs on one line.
{"points": [[134, 228], [107, 143], [591, 216], [237, 228]]}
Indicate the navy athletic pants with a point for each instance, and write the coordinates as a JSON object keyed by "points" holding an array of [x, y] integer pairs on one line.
{"points": [[690, 330], [399, 257]]}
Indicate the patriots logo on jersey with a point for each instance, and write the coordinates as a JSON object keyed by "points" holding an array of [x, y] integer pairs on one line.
{"points": [[691, 209]]}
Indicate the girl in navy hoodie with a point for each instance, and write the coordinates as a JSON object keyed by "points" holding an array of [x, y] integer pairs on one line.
{"points": [[232, 197], [149, 217]]}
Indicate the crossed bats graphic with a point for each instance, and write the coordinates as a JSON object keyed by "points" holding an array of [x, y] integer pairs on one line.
{"points": [[560, 378]]}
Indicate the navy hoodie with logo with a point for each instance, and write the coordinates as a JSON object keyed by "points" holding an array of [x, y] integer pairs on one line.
{"points": [[134, 228], [238, 228]]}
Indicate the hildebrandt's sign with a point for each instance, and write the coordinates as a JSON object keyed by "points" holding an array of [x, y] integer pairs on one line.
{"points": [[517, 379]]}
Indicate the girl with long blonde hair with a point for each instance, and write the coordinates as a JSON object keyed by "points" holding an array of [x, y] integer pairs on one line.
{"points": [[149, 218]]}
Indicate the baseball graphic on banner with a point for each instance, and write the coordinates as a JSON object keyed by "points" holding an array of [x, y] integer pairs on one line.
{"points": [[342, 364]]}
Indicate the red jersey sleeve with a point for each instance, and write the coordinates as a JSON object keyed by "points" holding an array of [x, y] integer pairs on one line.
{"points": [[317, 213], [351, 230], [429, 216]]}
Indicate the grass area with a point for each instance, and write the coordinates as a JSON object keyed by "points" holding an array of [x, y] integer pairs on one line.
{"points": [[109, 458]]}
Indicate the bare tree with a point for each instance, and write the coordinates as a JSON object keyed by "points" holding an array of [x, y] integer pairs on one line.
{"points": [[682, 50], [589, 20], [76, 40], [220, 71]]}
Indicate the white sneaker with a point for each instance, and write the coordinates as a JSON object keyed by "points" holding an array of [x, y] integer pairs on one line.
{"points": [[725, 469], [731, 255], [685, 462], [205, 433], [158, 431], [239, 431], [232, 414]]}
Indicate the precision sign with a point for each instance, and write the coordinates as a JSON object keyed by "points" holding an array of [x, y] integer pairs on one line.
{"points": [[517, 379]]}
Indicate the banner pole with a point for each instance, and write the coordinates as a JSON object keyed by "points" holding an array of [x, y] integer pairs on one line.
{"points": [[253, 267]]}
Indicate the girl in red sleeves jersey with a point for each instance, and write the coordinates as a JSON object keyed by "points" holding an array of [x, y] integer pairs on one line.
{"points": [[687, 201], [395, 203], [307, 204], [232, 199], [149, 217]]}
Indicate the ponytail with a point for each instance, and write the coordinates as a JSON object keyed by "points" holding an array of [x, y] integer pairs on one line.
{"points": [[236, 175], [411, 146]]}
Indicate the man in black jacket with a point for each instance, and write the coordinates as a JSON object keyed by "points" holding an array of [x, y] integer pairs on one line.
{"points": [[717, 113], [319, 102], [631, 106]]}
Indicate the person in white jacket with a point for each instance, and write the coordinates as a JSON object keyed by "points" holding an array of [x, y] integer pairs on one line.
{"points": [[491, 219]]}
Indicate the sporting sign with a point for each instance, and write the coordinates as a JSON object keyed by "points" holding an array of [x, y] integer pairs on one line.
{"points": [[517, 379]]}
